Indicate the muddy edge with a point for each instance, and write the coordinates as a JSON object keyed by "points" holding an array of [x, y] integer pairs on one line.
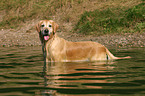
{"points": [[24, 37]]}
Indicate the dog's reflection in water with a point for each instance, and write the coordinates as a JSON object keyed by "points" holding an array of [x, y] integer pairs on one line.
{"points": [[76, 75]]}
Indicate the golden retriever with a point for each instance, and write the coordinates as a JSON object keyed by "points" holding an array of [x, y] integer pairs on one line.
{"points": [[56, 49]]}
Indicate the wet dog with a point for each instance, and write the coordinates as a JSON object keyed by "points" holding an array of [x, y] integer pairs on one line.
{"points": [[56, 49]]}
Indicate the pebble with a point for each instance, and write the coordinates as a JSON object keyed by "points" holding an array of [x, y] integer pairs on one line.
{"points": [[10, 38]]}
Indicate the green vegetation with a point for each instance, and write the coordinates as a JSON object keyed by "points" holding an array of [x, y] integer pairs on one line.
{"points": [[83, 16], [112, 20]]}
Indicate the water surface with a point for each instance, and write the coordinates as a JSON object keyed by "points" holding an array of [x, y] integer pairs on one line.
{"points": [[22, 74]]}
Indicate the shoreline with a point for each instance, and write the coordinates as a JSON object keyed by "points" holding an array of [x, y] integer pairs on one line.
{"points": [[9, 38]]}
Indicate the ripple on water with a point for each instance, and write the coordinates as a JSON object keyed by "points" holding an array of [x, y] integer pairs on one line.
{"points": [[21, 73]]}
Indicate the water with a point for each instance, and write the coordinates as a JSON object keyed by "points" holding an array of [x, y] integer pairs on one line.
{"points": [[22, 73]]}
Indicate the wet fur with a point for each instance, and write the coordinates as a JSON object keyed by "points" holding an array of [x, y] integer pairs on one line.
{"points": [[57, 49]]}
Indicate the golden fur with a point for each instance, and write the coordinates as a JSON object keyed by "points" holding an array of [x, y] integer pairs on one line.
{"points": [[57, 49]]}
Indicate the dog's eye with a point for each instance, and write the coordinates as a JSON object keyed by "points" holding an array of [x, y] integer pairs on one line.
{"points": [[50, 25], [42, 25]]}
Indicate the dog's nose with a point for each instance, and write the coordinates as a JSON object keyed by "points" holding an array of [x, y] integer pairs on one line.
{"points": [[46, 31]]}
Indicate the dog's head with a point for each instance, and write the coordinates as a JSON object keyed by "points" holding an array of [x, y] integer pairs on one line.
{"points": [[46, 29]]}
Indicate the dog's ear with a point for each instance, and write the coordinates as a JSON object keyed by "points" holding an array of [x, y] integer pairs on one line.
{"points": [[37, 26], [55, 26]]}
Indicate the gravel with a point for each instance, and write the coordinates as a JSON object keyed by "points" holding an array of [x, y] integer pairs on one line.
{"points": [[10, 37]]}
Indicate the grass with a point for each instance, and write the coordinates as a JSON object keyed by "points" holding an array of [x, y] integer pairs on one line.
{"points": [[19, 11], [112, 20], [83, 16]]}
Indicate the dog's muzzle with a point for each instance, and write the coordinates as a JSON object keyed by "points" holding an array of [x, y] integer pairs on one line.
{"points": [[46, 34]]}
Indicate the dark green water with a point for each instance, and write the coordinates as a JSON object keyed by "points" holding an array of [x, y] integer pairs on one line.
{"points": [[22, 74]]}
